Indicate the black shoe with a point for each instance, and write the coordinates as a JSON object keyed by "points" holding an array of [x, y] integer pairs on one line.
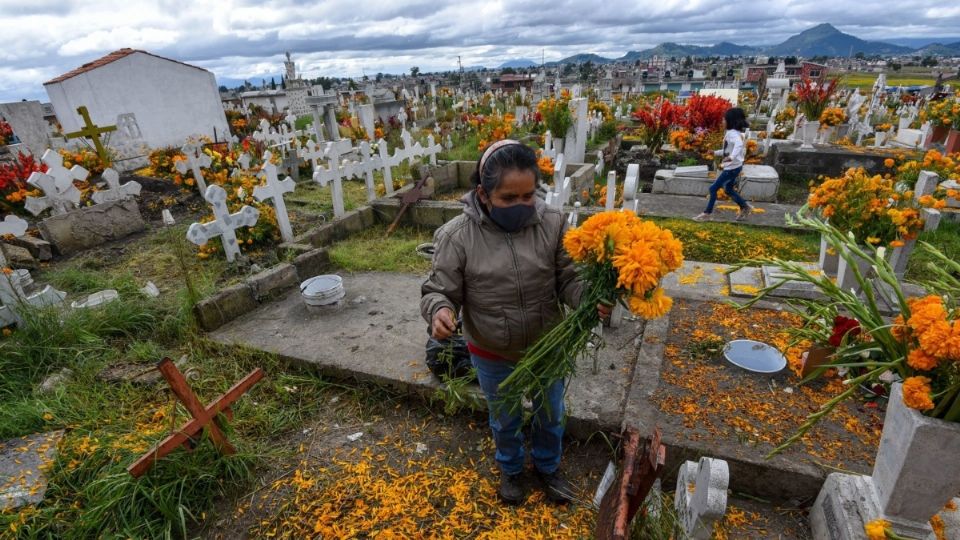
{"points": [[512, 490], [556, 487]]}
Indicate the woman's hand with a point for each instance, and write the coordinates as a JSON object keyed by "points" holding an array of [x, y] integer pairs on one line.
{"points": [[604, 311], [444, 323]]}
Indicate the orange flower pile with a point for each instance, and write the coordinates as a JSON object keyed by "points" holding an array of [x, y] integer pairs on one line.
{"points": [[946, 166], [641, 252], [832, 116], [545, 164], [492, 129]]}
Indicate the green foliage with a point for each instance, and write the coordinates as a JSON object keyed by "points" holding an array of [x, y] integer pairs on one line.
{"points": [[371, 251]]}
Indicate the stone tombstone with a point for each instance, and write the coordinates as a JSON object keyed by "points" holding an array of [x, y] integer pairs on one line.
{"points": [[59, 193], [115, 191], [127, 144], [367, 115], [275, 189], [224, 224], [559, 169], [631, 187], [26, 120], [576, 139], [91, 226], [24, 465], [611, 190], [701, 496]]}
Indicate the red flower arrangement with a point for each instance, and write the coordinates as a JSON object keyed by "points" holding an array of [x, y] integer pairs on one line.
{"points": [[657, 118], [704, 112], [13, 179], [843, 326], [813, 96]]}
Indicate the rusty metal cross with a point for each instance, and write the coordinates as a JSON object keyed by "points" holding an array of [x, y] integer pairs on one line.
{"points": [[92, 132], [202, 416]]}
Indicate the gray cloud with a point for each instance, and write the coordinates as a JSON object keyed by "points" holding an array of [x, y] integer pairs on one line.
{"points": [[246, 38]]}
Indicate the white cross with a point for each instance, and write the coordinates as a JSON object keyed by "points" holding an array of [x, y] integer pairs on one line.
{"points": [[368, 164], [386, 161], [14, 225], [292, 121], [57, 184], [611, 190], [333, 173], [558, 170], [196, 160], [115, 191], [13, 297], [631, 186], [402, 118], [244, 162], [224, 223], [701, 496], [274, 189], [432, 150]]}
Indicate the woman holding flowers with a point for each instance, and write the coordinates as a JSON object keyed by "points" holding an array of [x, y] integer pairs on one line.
{"points": [[502, 265], [734, 152]]}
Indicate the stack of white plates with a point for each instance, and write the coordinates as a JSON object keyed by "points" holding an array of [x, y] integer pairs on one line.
{"points": [[322, 290]]}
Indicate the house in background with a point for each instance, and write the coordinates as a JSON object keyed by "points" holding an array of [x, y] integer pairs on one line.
{"points": [[169, 100]]}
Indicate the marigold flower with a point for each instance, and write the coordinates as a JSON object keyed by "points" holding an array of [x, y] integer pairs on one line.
{"points": [[920, 360], [876, 529], [889, 163], [916, 393], [657, 305]]}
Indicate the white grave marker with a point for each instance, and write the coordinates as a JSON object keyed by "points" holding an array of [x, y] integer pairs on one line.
{"points": [[14, 225], [59, 193], [196, 161], [701, 496], [611, 190], [274, 189], [224, 224], [115, 191], [13, 297]]}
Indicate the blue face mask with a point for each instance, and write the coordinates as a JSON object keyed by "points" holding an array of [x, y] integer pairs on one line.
{"points": [[512, 218]]}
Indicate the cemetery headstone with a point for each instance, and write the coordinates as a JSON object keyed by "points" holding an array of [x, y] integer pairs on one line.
{"points": [[224, 224], [701, 496], [13, 297], [13, 225], [275, 189], [115, 191], [93, 132], [59, 193]]}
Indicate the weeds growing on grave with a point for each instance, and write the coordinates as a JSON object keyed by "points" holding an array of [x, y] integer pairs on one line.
{"points": [[109, 425], [370, 251]]}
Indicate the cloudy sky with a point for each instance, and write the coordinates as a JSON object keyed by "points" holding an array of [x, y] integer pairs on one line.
{"points": [[246, 39]]}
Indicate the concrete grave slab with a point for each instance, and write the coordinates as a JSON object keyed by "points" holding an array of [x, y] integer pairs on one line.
{"points": [[23, 465], [91, 226]]}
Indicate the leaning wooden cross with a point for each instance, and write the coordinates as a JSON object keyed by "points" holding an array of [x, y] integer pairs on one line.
{"points": [[641, 466], [92, 132], [202, 417]]}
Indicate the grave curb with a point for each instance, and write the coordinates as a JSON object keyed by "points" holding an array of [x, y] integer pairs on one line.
{"points": [[779, 479], [236, 300]]}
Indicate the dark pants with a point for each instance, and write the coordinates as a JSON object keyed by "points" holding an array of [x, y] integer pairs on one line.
{"points": [[726, 180]]}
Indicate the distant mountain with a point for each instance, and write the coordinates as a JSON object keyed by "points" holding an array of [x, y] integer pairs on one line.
{"points": [[519, 63], [919, 43], [669, 49], [582, 58], [826, 40], [938, 49]]}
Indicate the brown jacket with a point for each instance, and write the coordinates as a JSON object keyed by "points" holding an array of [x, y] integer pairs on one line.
{"points": [[508, 285]]}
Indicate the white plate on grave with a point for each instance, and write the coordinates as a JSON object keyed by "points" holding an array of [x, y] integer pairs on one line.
{"points": [[96, 299], [322, 290], [754, 356]]}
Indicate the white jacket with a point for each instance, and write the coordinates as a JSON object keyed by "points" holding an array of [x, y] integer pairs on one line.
{"points": [[734, 149]]}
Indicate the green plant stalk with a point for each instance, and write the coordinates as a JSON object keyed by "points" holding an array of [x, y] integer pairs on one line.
{"points": [[827, 407]]}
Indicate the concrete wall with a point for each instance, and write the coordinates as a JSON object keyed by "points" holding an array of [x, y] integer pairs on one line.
{"points": [[171, 101], [790, 161], [26, 119]]}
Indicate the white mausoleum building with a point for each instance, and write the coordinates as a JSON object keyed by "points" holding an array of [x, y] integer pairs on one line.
{"points": [[170, 100]]}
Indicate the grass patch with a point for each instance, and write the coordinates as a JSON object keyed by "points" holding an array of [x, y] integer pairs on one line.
{"points": [[867, 80], [946, 239], [464, 149], [312, 198], [793, 189], [110, 424], [370, 251], [730, 243]]}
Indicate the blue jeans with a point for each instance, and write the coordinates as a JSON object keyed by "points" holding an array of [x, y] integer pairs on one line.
{"points": [[726, 180], [507, 435]]}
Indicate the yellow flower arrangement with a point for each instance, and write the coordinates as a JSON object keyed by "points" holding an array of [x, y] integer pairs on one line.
{"points": [[944, 112], [620, 258], [876, 529], [832, 116]]}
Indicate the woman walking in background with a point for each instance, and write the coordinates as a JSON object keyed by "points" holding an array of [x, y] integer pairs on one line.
{"points": [[734, 152]]}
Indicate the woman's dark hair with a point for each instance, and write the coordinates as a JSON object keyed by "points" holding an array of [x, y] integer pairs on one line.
{"points": [[736, 119], [512, 156]]}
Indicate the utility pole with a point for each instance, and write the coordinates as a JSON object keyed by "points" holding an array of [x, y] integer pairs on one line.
{"points": [[459, 63]]}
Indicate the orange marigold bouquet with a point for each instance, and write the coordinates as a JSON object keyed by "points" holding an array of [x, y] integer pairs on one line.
{"points": [[921, 346], [832, 116], [869, 207], [620, 258]]}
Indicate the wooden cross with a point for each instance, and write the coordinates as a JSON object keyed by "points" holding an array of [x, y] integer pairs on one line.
{"points": [[641, 466], [92, 132], [203, 417]]}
